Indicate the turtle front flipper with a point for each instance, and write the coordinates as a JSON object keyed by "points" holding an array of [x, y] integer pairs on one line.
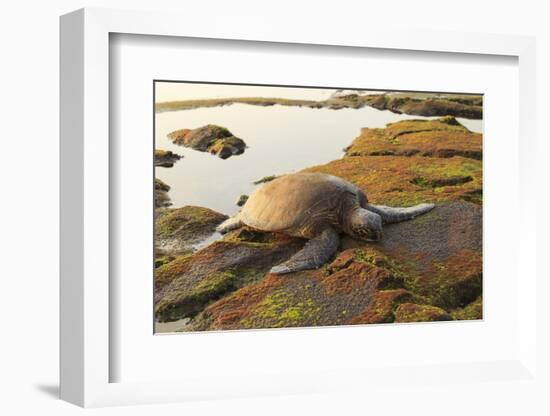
{"points": [[391, 215], [314, 254]]}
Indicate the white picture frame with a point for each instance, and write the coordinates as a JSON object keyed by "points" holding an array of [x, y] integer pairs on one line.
{"points": [[85, 212]]}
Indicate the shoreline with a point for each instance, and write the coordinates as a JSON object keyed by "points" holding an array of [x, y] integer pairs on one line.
{"points": [[421, 104]]}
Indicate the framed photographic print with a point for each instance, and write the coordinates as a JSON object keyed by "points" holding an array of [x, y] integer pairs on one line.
{"points": [[292, 214], [316, 242]]}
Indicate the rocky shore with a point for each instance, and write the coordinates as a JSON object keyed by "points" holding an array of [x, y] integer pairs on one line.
{"points": [[427, 269], [161, 194], [428, 105], [421, 104]]}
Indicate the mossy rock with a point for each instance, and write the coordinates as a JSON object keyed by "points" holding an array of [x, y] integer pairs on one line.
{"points": [[329, 296], [406, 181], [421, 170], [382, 307], [168, 271], [438, 255], [163, 260], [186, 285], [412, 312], [162, 199], [472, 311], [350, 290], [166, 158], [179, 228], [433, 260], [210, 138], [451, 283], [444, 137], [428, 105]]}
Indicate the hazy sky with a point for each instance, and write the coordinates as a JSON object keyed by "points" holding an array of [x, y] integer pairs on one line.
{"points": [[173, 91]]}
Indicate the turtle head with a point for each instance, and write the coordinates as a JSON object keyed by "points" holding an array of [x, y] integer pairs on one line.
{"points": [[364, 225]]}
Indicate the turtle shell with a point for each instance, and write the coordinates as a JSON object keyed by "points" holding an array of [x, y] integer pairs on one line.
{"points": [[297, 200]]}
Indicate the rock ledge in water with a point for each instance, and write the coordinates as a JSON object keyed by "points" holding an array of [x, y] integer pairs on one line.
{"points": [[161, 194], [165, 158], [210, 138]]}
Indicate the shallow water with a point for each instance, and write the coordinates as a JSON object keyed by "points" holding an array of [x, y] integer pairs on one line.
{"points": [[174, 326], [280, 140]]}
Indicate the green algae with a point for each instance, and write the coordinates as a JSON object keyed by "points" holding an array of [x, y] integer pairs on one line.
{"points": [[280, 310], [472, 311]]}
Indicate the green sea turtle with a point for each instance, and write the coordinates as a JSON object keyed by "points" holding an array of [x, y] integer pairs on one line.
{"points": [[318, 207]]}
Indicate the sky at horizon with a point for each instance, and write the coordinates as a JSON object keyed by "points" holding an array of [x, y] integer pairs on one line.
{"points": [[174, 91]]}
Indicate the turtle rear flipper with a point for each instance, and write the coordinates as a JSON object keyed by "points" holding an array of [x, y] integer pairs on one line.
{"points": [[314, 254], [230, 224]]}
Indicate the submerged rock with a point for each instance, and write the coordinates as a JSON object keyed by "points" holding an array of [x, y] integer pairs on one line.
{"points": [[165, 158], [210, 138]]}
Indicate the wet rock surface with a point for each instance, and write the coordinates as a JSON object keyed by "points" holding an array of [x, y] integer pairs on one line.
{"points": [[178, 229]]}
